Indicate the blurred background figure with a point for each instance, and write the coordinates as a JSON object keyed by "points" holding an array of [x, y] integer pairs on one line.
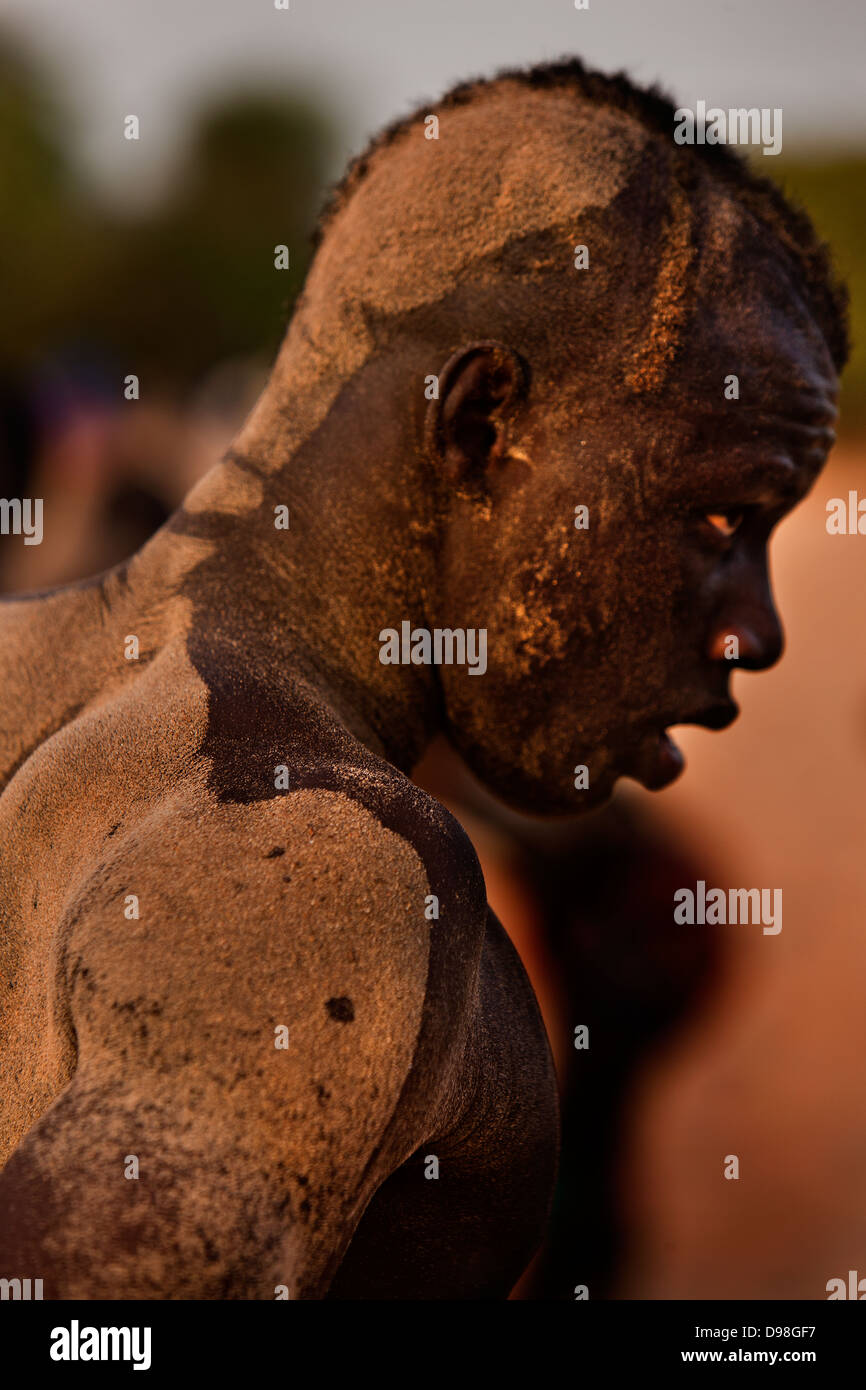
{"points": [[702, 1042]]}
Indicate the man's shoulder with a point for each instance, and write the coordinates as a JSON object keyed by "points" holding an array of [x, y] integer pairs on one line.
{"points": [[363, 819], [352, 836], [391, 804], [270, 741], [335, 902]]}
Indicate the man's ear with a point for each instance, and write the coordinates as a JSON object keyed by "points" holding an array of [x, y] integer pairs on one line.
{"points": [[465, 430]]}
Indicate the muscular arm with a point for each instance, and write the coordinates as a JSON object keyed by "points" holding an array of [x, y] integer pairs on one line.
{"points": [[254, 1161]]}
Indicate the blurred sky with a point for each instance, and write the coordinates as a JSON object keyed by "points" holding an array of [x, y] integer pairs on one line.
{"points": [[377, 58]]}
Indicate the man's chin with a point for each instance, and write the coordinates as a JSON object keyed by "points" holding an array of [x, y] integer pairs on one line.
{"points": [[654, 761], [657, 763]]}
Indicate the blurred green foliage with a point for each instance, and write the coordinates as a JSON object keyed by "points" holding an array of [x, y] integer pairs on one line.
{"points": [[832, 189], [168, 293], [43, 223]]}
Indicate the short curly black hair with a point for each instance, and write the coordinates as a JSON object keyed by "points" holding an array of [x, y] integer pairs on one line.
{"points": [[654, 110]]}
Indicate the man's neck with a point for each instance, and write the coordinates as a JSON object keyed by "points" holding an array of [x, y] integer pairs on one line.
{"points": [[294, 573]]}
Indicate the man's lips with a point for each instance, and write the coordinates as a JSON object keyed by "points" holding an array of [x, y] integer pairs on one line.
{"points": [[717, 716], [659, 760]]}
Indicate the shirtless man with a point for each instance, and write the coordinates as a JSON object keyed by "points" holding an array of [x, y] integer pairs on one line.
{"points": [[249, 984]]}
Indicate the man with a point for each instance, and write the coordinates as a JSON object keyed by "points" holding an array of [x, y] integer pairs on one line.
{"points": [[551, 383]]}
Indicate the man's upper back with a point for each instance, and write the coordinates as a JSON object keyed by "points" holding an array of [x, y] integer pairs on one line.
{"points": [[156, 908]]}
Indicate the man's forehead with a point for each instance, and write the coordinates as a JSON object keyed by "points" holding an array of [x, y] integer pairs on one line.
{"points": [[749, 374], [750, 399], [756, 355], [774, 438], [751, 305]]}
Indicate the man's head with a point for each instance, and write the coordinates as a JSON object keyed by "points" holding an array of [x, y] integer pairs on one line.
{"points": [[600, 380]]}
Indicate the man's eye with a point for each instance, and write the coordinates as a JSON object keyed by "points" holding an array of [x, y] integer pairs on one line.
{"points": [[724, 523]]}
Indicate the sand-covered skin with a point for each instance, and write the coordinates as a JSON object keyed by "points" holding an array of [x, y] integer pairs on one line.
{"points": [[154, 1037], [242, 781]]}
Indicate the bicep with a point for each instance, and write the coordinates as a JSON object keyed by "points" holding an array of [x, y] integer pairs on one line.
{"points": [[250, 1042]]}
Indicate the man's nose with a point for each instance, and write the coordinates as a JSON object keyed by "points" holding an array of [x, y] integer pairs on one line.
{"points": [[747, 632]]}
